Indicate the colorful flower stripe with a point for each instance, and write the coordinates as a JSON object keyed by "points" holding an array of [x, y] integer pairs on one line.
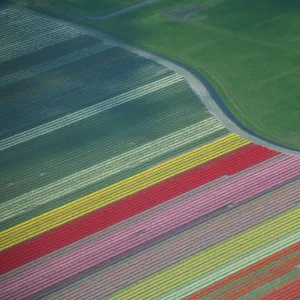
{"points": [[213, 257], [130, 206], [91, 253], [218, 222], [201, 262], [259, 278], [232, 267], [149, 259], [243, 273], [192, 206], [272, 285], [287, 292], [128, 161], [115, 192]]}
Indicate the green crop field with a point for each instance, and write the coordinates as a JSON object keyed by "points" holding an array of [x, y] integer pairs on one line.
{"points": [[248, 50], [95, 7]]}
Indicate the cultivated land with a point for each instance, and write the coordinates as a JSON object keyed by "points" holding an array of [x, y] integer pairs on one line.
{"points": [[75, 105], [153, 197], [248, 50]]}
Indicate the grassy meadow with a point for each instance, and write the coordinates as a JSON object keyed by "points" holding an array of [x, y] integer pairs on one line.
{"points": [[248, 50]]}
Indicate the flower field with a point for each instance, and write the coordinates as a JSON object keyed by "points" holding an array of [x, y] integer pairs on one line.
{"points": [[117, 183]]}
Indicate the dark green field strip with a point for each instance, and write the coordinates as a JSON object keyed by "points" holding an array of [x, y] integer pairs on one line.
{"points": [[97, 65], [79, 69], [101, 137], [71, 62], [45, 54], [115, 72], [94, 130], [109, 181]]}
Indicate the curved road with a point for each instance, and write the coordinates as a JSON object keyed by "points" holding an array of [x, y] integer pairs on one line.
{"points": [[199, 85]]}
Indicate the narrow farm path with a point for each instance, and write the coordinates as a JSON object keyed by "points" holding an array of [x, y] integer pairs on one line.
{"points": [[200, 86], [113, 14]]}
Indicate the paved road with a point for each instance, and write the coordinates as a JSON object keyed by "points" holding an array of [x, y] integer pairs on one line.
{"points": [[196, 83]]}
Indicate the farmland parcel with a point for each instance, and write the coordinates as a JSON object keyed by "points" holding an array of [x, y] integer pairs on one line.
{"points": [[248, 50], [117, 183], [94, 8], [81, 114]]}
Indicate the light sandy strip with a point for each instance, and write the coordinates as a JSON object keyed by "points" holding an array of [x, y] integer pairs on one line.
{"points": [[232, 267], [117, 191], [88, 112], [191, 241], [58, 62], [108, 168]]}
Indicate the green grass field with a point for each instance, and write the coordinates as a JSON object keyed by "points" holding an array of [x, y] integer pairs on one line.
{"points": [[95, 7], [248, 50]]}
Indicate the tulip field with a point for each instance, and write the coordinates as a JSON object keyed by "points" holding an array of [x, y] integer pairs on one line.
{"points": [[116, 182]]}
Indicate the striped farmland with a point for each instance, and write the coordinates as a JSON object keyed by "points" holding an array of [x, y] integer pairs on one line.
{"points": [[117, 183]]}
